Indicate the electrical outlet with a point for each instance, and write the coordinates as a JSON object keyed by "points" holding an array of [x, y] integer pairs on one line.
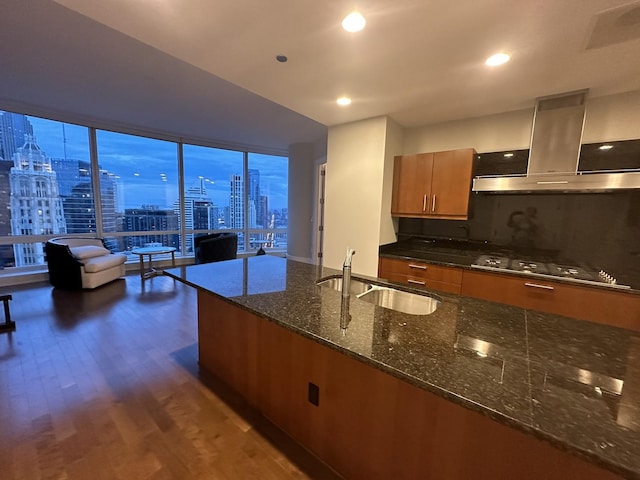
{"points": [[314, 394]]}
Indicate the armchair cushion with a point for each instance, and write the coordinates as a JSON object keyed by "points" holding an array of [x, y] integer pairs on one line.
{"points": [[98, 264], [88, 251]]}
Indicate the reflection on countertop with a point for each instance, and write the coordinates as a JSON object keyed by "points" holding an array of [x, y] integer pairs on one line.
{"points": [[575, 384]]}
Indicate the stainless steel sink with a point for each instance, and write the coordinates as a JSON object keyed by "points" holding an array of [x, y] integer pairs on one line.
{"points": [[401, 301], [387, 297], [357, 286]]}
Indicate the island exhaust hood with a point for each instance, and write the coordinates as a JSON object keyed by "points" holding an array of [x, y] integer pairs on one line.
{"points": [[556, 137]]}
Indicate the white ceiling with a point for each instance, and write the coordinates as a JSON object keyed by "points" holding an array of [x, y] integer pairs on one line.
{"points": [[206, 68]]}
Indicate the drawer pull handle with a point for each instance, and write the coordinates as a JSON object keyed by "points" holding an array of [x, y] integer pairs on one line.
{"points": [[421, 267], [418, 282], [535, 285]]}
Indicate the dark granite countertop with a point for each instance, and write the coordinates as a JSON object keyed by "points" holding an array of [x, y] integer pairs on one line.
{"points": [[572, 383], [462, 254]]}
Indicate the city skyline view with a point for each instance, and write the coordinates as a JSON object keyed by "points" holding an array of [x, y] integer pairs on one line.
{"points": [[130, 157], [128, 190]]}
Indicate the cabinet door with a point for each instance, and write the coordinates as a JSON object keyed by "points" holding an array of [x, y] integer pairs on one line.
{"points": [[411, 184], [451, 183]]}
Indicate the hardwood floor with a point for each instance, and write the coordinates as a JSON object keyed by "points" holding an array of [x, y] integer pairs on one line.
{"points": [[104, 384]]}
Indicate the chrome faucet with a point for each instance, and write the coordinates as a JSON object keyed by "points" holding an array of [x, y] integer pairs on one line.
{"points": [[346, 273]]}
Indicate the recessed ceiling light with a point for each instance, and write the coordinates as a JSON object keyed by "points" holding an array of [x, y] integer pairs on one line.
{"points": [[354, 22], [508, 155], [281, 58], [343, 101], [605, 147], [497, 59]]}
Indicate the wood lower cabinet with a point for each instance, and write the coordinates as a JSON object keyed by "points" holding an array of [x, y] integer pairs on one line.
{"points": [[421, 274], [367, 424], [433, 185], [615, 308]]}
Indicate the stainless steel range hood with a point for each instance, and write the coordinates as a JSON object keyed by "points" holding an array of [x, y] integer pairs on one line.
{"points": [[556, 137]]}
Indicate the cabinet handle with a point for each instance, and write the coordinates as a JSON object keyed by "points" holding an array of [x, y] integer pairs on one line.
{"points": [[536, 285], [421, 267], [416, 282], [433, 204], [424, 203]]}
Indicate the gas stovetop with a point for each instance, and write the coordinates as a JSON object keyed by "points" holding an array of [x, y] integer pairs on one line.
{"points": [[545, 270]]}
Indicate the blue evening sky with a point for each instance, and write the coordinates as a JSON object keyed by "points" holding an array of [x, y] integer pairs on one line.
{"points": [[140, 161]]}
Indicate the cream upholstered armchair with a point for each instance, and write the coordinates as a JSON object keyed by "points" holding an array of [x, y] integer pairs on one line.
{"points": [[75, 263]]}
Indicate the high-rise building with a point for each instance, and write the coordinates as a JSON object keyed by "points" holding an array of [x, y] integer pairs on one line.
{"points": [[13, 130], [76, 190], [109, 201], [36, 207], [199, 212], [259, 201], [6, 251], [236, 202], [150, 219]]}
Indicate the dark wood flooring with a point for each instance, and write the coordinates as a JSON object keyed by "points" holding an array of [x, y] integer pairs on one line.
{"points": [[104, 384]]}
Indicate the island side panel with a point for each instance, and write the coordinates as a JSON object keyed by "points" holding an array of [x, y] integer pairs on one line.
{"points": [[368, 424], [227, 344]]}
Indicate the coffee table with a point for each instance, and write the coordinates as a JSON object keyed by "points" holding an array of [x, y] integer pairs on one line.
{"points": [[150, 251]]}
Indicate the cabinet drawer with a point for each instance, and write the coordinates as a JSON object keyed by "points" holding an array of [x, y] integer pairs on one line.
{"points": [[417, 282], [420, 270], [417, 274], [615, 308]]}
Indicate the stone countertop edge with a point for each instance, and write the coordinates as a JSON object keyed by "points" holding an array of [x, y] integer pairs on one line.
{"points": [[244, 302]]}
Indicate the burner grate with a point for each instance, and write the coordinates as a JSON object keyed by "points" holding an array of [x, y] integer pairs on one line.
{"points": [[528, 266]]}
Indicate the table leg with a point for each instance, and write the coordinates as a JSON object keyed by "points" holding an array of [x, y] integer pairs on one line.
{"points": [[141, 267], [173, 259], [8, 325]]}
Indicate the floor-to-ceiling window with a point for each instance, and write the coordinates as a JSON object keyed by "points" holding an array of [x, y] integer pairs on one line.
{"points": [[45, 185], [267, 197], [213, 193], [138, 190], [63, 179]]}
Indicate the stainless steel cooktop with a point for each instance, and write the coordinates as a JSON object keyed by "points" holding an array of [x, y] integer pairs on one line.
{"points": [[574, 273]]}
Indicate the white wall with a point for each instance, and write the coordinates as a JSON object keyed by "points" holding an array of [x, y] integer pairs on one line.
{"points": [[354, 192], [614, 117], [505, 131], [301, 202], [393, 147]]}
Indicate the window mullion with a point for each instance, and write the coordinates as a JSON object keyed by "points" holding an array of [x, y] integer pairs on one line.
{"points": [[181, 196], [95, 181], [245, 200]]}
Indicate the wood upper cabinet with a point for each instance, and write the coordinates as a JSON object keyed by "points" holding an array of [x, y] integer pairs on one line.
{"points": [[411, 184], [433, 185]]}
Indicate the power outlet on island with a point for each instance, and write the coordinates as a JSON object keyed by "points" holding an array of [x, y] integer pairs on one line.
{"points": [[314, 394]]}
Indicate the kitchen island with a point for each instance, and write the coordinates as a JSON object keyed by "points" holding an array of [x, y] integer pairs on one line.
{"points": [[475, 388]]}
